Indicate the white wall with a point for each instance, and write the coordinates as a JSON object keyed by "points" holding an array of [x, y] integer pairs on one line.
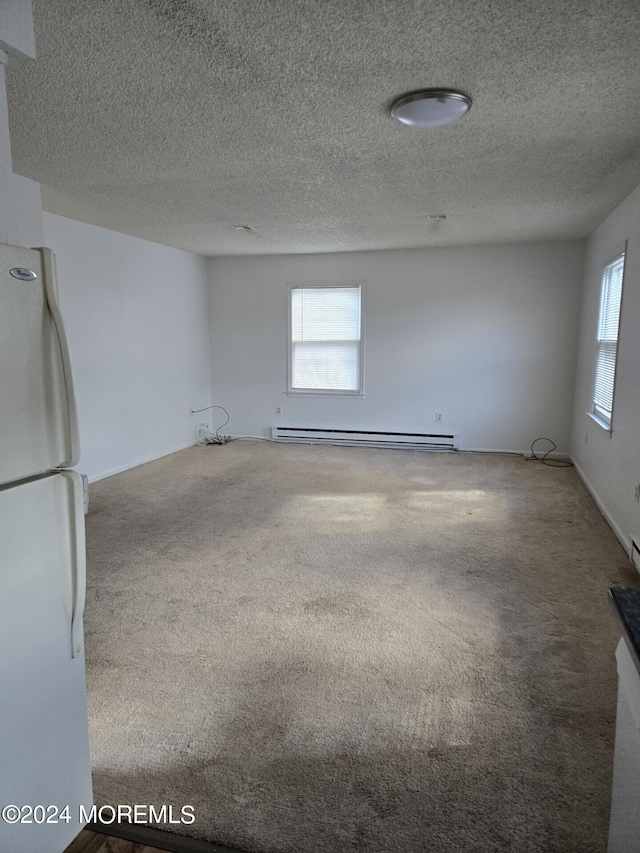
{"points": [[20, 208], [610, 464], [486, 335], [136, 318], [17, 37]]}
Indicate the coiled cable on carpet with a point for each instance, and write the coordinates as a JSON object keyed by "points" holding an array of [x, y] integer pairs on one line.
{"points": [[552, 463], [204, 434]]}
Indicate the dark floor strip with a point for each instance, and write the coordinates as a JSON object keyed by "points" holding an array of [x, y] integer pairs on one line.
{"points": [[159, 838]]}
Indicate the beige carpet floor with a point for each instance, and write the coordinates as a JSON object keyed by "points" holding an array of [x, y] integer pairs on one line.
{"points": [[334, 649]]}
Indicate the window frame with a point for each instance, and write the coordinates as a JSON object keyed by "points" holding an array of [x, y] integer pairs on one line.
{"points": [[596, 413], [322, 392]]}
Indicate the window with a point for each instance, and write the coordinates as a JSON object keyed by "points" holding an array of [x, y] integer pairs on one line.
{"points": [[325, 339], [608, 322]]}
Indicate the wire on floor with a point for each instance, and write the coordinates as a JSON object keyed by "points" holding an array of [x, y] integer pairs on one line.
{"points": [[552, 463], [204, 434]]}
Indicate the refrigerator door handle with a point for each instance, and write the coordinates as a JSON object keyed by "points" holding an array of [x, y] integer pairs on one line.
{"points": [[78, 561], [51, 293]]}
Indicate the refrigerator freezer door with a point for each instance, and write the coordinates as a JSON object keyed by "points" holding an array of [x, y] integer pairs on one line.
{"points": [[44, 740], [38, 422]]}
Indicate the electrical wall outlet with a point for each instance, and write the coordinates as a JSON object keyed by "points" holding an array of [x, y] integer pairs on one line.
{"points": [[438, 417], [278, 410]]}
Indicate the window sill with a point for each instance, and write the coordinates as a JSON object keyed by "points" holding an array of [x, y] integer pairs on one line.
{"points": [[604, 426], [324, 393]]}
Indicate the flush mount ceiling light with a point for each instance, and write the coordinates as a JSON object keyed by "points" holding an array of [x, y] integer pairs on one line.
{"points": [[431, 107]]}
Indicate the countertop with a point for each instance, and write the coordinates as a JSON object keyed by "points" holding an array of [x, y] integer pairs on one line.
{"points": [[626, 604]]}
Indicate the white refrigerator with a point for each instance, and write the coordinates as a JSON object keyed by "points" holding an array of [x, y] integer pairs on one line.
{"points": [[44, 740]]}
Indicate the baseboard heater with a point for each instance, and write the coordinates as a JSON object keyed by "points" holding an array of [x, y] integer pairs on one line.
{"points": [[360, 438]]}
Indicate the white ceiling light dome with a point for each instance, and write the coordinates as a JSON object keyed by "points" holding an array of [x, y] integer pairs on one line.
{"points": [[431, 107]]}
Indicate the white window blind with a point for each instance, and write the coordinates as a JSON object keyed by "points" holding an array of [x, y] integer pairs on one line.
{"points": [[326, 338], [608, 322]]}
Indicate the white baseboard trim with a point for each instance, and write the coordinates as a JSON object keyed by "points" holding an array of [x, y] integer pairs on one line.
{"points": [[624, 540], [489, 450], [526, 454], [95, 477], [563, 457]]}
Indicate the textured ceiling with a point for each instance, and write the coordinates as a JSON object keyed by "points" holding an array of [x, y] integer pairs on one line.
{"points": [[175, 120]]}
